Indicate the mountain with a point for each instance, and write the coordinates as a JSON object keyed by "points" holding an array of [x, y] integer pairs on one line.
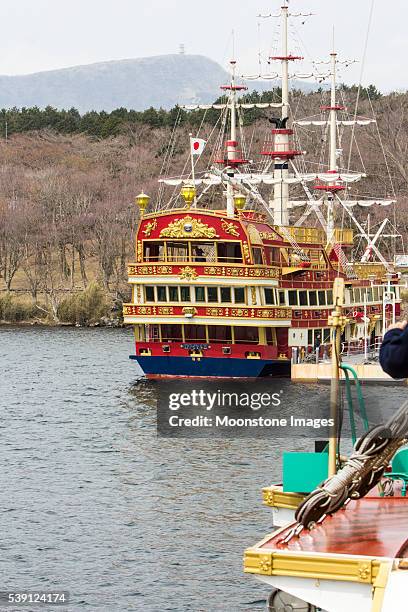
{"points": [[161, 81], [164, 80]]}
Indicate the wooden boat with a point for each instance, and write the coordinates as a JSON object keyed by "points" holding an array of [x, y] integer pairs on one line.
{"points": [[354, 560]]}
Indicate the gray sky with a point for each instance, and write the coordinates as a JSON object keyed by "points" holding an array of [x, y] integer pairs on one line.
{"points": [[45, 34]]}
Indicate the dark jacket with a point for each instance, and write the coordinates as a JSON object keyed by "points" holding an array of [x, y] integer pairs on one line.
{"points": [[394, 353]]}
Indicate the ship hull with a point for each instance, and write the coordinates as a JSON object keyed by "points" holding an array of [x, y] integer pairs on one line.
{"points": [[208, 367]]}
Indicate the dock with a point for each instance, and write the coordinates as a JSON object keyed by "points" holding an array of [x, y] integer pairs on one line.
{"points": [[321, 372]]}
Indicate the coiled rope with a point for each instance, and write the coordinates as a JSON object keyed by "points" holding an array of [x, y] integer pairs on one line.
{"points": [[364, 469]]}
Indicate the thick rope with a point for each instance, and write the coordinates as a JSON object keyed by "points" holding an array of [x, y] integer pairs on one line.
{"points": [[364, 469]]}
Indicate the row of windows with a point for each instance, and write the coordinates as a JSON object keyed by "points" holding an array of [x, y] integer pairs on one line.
{"points": [[225, 252], [214, 295], [295, 297], [271, 296], [369, 294], [210, 334], [236, 295], [315, 337], [322, 297]]}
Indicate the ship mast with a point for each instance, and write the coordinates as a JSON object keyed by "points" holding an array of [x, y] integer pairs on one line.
{"points": [[283, 152], [333, 115], [232, 158], [285, 63], [232, 143], [333, 146]]}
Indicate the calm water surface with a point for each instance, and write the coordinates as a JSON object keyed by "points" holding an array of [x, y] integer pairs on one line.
{"points": [[93, 502]]}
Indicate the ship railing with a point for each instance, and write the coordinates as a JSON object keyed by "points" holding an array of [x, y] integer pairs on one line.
{"points": [[313, 235], [195, 260], [322, 353], [317, 354], [358, 348]]}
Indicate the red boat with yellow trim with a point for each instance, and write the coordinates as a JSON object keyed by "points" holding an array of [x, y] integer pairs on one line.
{"points": [[224, 285]]}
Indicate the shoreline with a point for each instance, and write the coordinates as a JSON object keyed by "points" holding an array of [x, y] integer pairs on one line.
{"points": [[114, 325]]}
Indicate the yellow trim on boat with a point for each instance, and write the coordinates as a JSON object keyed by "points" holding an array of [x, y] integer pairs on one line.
{"points": [[379, 586], [274, 497], [266, 562]]}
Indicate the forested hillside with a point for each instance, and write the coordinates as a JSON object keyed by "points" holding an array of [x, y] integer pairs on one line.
{"points": [[68, 182]]}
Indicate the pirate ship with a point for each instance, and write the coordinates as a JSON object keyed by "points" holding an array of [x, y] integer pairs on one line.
{"points": [[228, 278]]}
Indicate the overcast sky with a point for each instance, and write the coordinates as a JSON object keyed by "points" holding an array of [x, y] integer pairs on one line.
{"points": [[45, 34]]}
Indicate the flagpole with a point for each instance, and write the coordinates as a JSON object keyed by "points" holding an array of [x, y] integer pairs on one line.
{"points": [[193, 169]]}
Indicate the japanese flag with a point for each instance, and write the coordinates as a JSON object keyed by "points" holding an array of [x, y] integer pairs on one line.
{"points": [[197, 146]]}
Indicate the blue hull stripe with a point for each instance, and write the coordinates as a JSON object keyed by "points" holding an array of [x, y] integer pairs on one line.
{"points": [[212, 367]]}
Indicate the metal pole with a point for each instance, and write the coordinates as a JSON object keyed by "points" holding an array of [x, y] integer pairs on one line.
{"points": [[336, 323], [193, 171], [365, 326]]}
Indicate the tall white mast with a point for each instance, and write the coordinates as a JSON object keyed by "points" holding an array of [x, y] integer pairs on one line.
{"points": [[232, 143], [232, 160], [333, 145], [282, 151], [333, 115], [285, 63]]}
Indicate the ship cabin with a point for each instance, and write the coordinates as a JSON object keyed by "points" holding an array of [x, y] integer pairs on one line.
{"points": [[205, 285]]}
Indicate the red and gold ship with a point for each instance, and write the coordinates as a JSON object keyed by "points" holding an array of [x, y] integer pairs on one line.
{"points": [[224, 286], [229, 296]]}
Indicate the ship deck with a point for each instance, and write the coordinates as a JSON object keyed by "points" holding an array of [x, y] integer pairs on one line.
{"points": [[374, 526], [350, 545]]}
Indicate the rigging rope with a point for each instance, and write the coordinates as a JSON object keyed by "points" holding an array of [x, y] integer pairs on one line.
{"points": [[370, 17], [364, 469]]}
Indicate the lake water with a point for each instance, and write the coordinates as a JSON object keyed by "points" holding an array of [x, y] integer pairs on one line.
{"points": [[95, 503]]}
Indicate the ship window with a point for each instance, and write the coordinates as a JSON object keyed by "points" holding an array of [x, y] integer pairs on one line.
{"points": [[375, 294], [173, 294], [302, 298], [229, 252], [246, 335], [293, 299], [149, 293], [195, 333], [369, 295], [326, 335], [177, 251], [226, 295], [161, 294], [257, 255], [273, 256], [330, 297], [282, 300], [322, 298], [212, 293], [172, 333], [312, 298], [185, 294], [200, 294], [154, 333], [153, 251], [202, 251], [271, 336], [219, 333], [269, 296], [239, 295]]}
